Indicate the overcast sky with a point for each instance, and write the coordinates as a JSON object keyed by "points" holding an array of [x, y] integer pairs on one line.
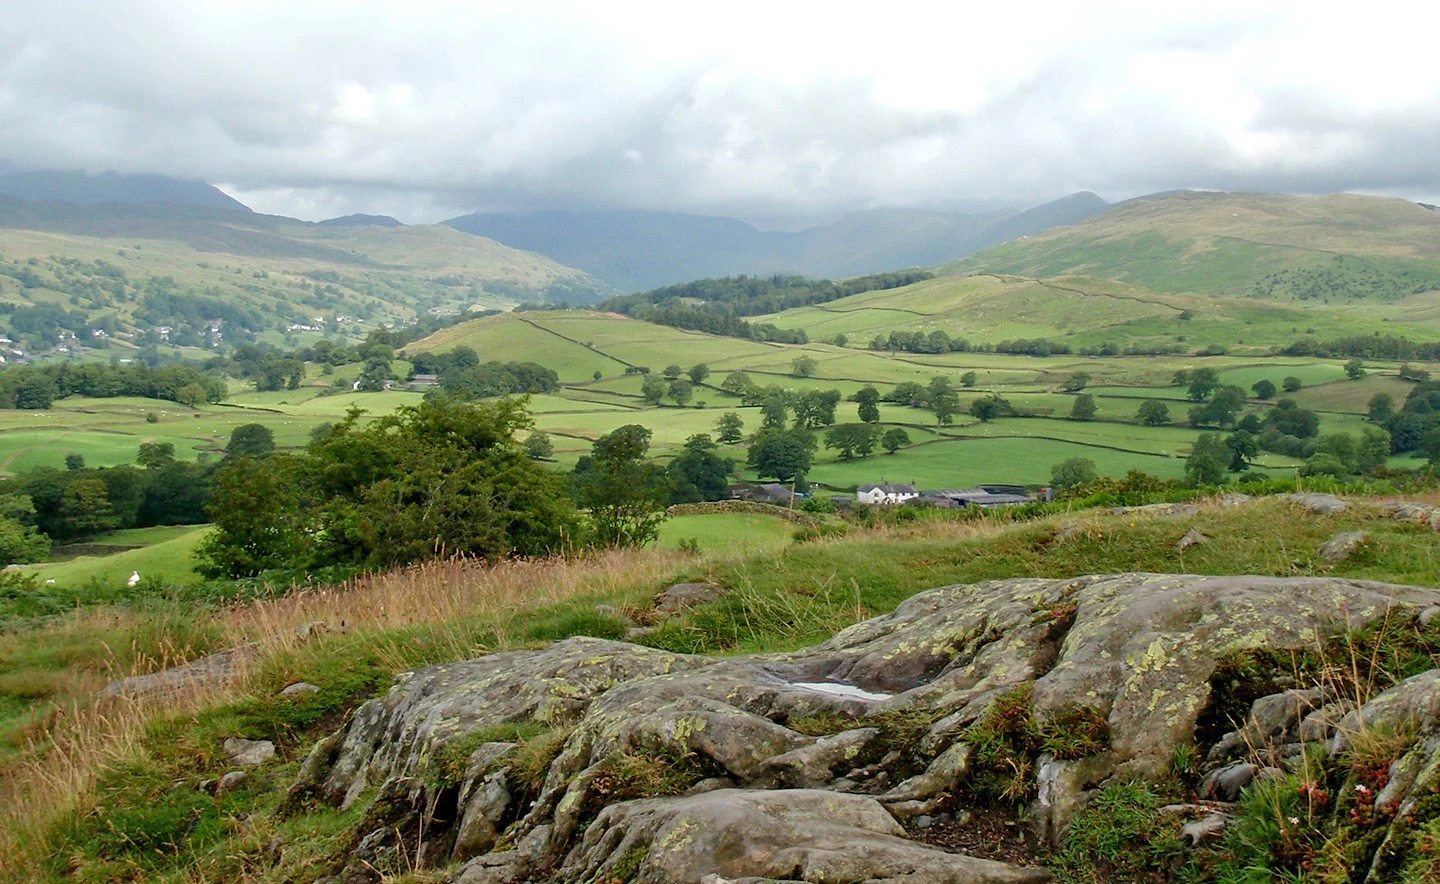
{"points": [[770, 111]]}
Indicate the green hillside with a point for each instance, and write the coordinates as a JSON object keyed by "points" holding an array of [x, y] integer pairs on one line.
{"points": [[1342, 247], [131, 270]]}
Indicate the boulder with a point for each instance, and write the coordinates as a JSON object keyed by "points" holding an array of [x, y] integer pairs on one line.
{"points": [[1167, 510], [299, 689], [1342, 546], [1226, 783], [792, 835], [230, 781], [686, 595], [249, 753], [891, 699], [1320, 504], [1191, 538]]}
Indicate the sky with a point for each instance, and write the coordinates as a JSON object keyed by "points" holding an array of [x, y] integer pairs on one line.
{"points": [[780, 113]]}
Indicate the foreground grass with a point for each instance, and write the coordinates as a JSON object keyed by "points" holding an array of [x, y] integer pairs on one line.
{"points": [[83, 773]]}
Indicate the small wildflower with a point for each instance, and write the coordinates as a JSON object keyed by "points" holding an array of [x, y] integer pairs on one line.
{"points": [[1362, 788], [1294, 820]]}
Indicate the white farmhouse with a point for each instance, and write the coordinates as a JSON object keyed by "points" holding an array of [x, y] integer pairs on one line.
{"points": [[885, 495]]}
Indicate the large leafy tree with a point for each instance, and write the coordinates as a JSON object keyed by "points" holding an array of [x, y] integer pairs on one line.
{"points": [[730, 427], [943, 400], [438, 478], [853, 440], [1153, 413], [250, 440], [869, 402], [699, 473], [624, 492], [782, 454]]}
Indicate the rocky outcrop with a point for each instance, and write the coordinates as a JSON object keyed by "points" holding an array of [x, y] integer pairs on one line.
{"points": [[660, 767]]}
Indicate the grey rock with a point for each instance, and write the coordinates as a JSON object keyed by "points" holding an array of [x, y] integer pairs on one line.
{"points": [[299, 688], [924, 821], [686, 595], [1207, 828], [1167, 510], [1408, 511], [230, 781], [1428, 615], [609, 611], [1136, 649], [635, 632], [1343, 546], [1226, 783], [1191, 538], [215, 669], [1234, 499], [249, 753], [1321, 504], [812, 766], [790, 835]]}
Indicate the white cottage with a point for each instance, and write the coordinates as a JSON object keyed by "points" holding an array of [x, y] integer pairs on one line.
{"points": [[885, 495]]}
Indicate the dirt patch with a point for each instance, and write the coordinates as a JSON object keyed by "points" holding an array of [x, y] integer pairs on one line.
{"points": [[995, 833]]}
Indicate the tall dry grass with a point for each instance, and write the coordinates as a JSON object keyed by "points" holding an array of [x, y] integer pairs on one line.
{"points": [[86, 736]]}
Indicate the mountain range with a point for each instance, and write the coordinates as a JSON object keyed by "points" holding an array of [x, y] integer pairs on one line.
{"points": [[635, 250]]}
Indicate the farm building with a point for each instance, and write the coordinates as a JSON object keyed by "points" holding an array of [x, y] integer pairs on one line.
{"points": [[885, 494]]}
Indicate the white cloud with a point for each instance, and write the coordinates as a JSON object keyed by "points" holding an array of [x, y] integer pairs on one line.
{"points": [[757, 109]]}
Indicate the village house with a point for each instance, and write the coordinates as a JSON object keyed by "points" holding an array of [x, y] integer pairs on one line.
{"points": [[885, 494]]}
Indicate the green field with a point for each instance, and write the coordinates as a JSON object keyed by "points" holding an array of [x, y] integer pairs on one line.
{"points": [[727, 533], [168, 556]]}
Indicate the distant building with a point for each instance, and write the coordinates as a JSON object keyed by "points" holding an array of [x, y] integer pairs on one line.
{"points": [[982, 496], [885, 495], [767, 492], [423, 381]]}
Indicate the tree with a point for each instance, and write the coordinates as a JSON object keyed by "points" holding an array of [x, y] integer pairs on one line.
{"points": [[1153, 413], [74, 462], [894, 439], [1429, 446], [698, 373], [1324, 465], [1291, 384], [803, 366], [1221, 410], [729, 428], [1076, 382], [653, 389], [1243, 448], [539, 447], [1340, 446], [736, 383], [782, 454], [1072, 473], [250, 440], [943, 399], [869, 400], [1202, 382], [624, 492], [1373, 451], [681, 391], [840, 340], [190, 394], [816, 408], [35, 391], [672, 371], [1355, 369], [968, 379], [154, 455], [909, 393], [376, 373], [853, 439], [1292, 420], [21, 543], [1263, 389], [987, 408], [598, 374], [85, 508], [699, 473], [774, 411], [1382, 408], [1084, 408], [1207, 460], [259, 523]]}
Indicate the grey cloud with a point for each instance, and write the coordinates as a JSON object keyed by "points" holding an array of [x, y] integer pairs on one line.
{"points": [[425, 110]]}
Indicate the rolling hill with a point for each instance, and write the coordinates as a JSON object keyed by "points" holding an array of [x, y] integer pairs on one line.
{"points": [[131, 268], [1275, 247], [113, 187], [643, 250]]}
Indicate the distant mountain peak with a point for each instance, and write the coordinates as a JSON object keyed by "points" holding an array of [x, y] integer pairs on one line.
{"points": [[85, 189], [361, 220]]}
